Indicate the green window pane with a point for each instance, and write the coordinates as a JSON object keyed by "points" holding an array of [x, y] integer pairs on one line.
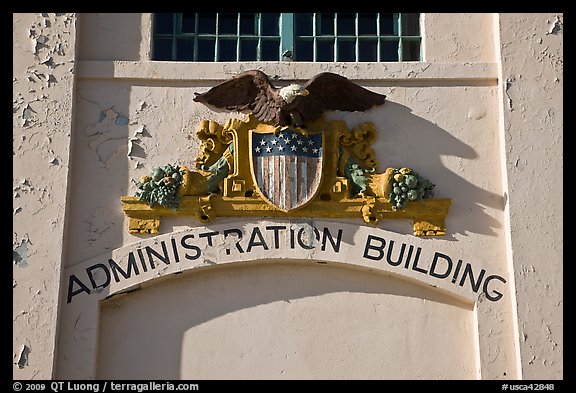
{"points": [[270, 50], [248, 50], [247, 24], [163, 23], [227, 50], [325, 50], [304, 50], [162, 49], [207, 23], [325, 24], [188, 23], [269, 24], [303, 24], [367, 24], [346, 51], [206, 49], [389, 50], [368, 50], [227, 23], [411, 24], [387, 24], [346, 24], [410, 50], [185, 49]]}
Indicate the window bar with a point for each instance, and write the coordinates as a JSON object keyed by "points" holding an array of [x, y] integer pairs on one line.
{"points": [[335, 36], [176, 21], [286, 34], [196, 22], [399, 29], [314, 33], [238, 36], [379, 38], [259, 45], [216, 39], [357, 39], [420, 54]]}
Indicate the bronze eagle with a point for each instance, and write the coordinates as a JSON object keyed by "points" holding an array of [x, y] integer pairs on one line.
{"points": [[292, 105]]}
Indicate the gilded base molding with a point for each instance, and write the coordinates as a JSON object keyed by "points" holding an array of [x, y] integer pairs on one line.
{"points": [[427, 216]]}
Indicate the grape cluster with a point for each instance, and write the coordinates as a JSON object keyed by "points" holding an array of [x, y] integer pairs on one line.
{"points": [[161, 187], [407, 185]]}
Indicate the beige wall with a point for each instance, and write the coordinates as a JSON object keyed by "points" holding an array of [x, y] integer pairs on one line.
{"points": [[532, 128], [43, 75], [455, 118], [278, 321]]}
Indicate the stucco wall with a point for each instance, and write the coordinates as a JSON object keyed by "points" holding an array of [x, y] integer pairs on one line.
{"points": [[459, 37], [532, 121], [441, 119], [278, 321], [43, 74], [454, 118]]}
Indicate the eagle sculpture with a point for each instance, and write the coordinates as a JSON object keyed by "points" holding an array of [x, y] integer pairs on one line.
{"points": [[292, 105]]}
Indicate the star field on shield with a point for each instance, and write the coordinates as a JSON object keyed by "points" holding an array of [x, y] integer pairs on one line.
{"points": [[287, 143]]}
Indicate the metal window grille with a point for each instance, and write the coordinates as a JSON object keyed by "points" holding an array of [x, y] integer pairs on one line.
{"points": [[312, 37]]}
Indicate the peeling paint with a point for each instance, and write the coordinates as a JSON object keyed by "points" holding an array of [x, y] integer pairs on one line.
{"points": [[142, 131], [555, 27], [506, 89], [134, 149], [108, 135], [23, 356], [107, 119], [27, 114], [121, 120], [20, 252], [44, 54], [131, 143]]}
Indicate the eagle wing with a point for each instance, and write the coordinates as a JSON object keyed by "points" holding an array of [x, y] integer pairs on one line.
{"points": [[248, 90], [333, 92]]}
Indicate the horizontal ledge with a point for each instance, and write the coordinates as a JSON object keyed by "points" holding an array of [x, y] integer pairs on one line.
{"points": [[257, 207], [467, 73]]}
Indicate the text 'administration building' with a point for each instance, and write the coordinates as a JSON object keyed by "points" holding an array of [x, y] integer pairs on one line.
{"points": [[418, 239]]}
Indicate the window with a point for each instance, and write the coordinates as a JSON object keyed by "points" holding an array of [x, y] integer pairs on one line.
{"points": [[317, 37]]}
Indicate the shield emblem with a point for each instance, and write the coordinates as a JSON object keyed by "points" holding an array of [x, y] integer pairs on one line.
{"points": [[287, 168]]}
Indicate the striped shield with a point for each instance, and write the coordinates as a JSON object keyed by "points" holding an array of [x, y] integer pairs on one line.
{"points": [[287, 167]]}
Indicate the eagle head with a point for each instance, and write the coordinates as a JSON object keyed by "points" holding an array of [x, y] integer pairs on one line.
{"points": [[290, 92]]}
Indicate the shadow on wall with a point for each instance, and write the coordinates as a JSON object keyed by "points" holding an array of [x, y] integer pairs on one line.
{"points": [[409, 140], [99, 170], [263, 311]]}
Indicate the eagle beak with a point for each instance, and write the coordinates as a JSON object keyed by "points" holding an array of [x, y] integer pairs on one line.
{"points": [[304, 92]]}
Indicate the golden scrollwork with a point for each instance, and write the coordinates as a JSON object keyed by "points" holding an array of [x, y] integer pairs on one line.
{"points": [[358, 144], [215, 140]]}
